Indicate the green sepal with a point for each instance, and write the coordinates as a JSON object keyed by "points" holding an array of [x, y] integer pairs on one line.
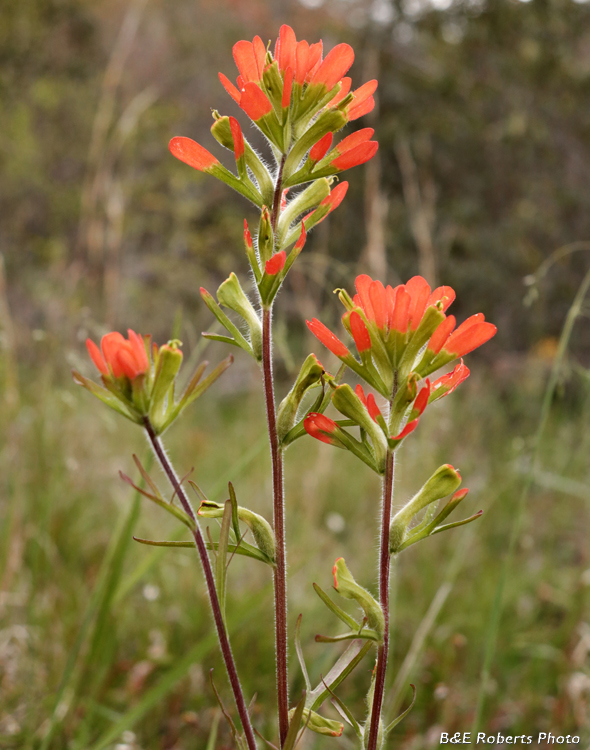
{"points": [[403, 715], [272, 83], [168, 364], [443, 482], [157, 498], [347, 661], [309, 375], [238, 339], [349, 404], [108, 397], [231, 294], [333, 607], [196, 388], [265, 240], [259, 526], [245, 188], [431, 320], [319, 724], [347, 587], [311, 197], [328, 122], [221, 131]]}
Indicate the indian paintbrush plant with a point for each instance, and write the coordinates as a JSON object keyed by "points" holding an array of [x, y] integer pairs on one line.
{"points": [[299, 101]]}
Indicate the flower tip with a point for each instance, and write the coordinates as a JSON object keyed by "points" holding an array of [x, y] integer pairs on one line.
{"points": [[192, 153], [275, 264]]}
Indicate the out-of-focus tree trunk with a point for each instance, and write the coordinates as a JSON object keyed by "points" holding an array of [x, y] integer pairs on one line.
{"points": [[374, 256], [420, 201]]}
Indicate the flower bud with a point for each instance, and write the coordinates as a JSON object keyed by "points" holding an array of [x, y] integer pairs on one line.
{"points": [[168, 364], [259, 526], [348, 403], [310, 374], [319, 724], [443, 482], [265, 236], [231, 294], [345, 585]]}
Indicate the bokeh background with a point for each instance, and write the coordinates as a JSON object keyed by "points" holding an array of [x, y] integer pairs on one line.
{"points": [[483, 122]]}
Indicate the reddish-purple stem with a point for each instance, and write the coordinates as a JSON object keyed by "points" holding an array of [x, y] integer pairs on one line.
{"points": [[210, 580], [280, 572]]}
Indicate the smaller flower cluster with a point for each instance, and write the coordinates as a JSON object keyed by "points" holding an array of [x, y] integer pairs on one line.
{"points": [[401, 334], [139, 378]]}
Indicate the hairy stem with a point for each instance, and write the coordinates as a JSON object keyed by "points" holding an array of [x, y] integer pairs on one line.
{"points": [[280, 573], [226, 652], [276, 203], [384, 573]]}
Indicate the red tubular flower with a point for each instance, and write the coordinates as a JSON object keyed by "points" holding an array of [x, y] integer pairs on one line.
{"points": [[287, 86], [441, 334], [327, 338], [230, 88], [285, 48], [421, 401], [363, 101], [334, 67], [321, 428], [321, 148], [238, 137], [119, 357], [247, 236], [250, 59], [359, 154], [410, 427], [302, 238], [254, 102], [472, 333], [359, 332], [192, 153], [369, 403], [276, 264], [345, 85], [447, 383], [336, 196]]}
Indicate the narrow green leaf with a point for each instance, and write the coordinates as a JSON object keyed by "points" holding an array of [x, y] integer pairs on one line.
{"points": [[402, 716], [340, 613], [300, 656], [213, 733], [353, 655], [369, 635], [221, 562], [295, 724], [234, 511]]}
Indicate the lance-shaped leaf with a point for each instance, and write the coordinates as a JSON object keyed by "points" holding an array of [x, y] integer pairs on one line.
{"points": [[194, 389], [348, 660], [221, 560], [107, 397], [300, 656], [178, 513], [238, 339], [296, 716], [244, 549], [403, 715]]}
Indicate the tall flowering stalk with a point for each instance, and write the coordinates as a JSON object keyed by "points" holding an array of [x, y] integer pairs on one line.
{"points": [[402, 335], [300, 100]]}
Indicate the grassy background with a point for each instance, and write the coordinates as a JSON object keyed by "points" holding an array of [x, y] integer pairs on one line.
{"points": [[108, 644]]}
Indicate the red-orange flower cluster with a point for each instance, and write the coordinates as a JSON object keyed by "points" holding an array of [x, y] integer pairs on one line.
{"points": [[119, 357]]}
